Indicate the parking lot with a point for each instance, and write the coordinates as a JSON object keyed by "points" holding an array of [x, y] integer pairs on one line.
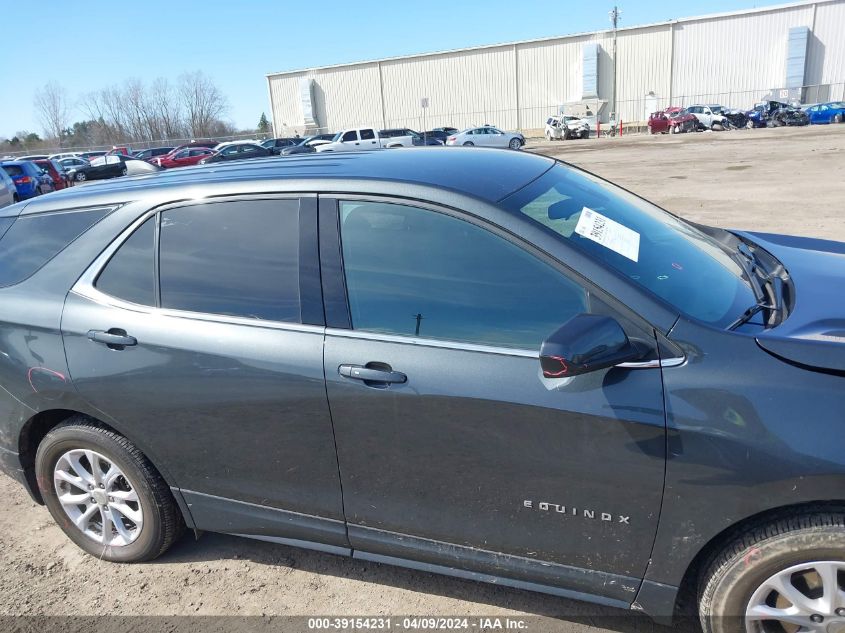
{"points": [[771, 180]]}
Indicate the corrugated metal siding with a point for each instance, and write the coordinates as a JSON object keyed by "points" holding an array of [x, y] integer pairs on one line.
{"points": [[730, 59], [464, 89], [826, 54]]}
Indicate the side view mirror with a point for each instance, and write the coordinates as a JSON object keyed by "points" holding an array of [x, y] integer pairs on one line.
{"points": [[585, 343]]}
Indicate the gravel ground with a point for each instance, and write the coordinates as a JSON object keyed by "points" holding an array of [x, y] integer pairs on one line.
{"points": [[779, 180]]}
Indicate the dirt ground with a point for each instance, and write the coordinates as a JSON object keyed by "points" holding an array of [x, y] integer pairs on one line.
{"points": [[778, 180]]}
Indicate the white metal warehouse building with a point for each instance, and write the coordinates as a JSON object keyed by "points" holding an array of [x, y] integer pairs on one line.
{"points": [[733, 59]]}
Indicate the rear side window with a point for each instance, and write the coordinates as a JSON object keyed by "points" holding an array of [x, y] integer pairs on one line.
{"points": [[130, 273], [237, 258], [366, 135], [34, 240]]}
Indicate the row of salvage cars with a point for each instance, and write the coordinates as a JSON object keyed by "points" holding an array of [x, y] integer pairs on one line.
{"points": [[763, 114]]}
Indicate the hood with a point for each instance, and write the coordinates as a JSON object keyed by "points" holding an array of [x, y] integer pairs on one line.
{"points": [[814, 332]]}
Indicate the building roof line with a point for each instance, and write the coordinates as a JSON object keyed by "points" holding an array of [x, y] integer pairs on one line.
{"points": [[368, 62]]}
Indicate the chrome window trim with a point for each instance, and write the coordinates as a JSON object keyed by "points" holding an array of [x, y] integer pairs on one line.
{"points": [[429, 342], [84, 287], [653, 364]]}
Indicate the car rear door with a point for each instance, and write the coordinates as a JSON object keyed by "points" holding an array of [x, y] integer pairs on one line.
{"points": [[209, 356], [454, 449]]}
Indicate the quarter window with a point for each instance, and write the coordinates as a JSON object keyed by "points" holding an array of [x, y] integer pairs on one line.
{"points": [[416, 272], [130, 273], [238, 258]]}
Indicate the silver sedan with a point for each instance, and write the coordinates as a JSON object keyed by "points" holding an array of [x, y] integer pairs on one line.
{"points": [[487, 136]]}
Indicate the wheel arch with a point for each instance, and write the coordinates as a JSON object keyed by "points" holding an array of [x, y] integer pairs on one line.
{"points": [[687, 593], [36, 428]]}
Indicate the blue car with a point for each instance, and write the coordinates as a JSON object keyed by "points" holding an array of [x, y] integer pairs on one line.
{"points": [[26, 176], [832, 112]]}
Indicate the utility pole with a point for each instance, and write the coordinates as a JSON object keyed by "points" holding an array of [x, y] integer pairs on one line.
{"points": [[614, 20]]}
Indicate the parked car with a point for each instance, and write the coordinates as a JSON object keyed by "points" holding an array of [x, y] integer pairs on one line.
{"points": [[672, 120], [27, 178], [72, 163], [211, 143], [776, 114], [32, 157], [55, 171], [119, 150], [566, 127], [487, 136], [832, 112], [276, 145], [61, 155], [736, 118], [365, 138], [640, 409], [236, 151], [447, 130], [101, 168], [416, 137], [154, 152], [183, 157], [709, 116], [89, 156], [440, 134], [8, 191], [308, 145]]}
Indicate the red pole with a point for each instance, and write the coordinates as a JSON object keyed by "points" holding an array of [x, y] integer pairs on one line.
{"points": [[620, 128]]}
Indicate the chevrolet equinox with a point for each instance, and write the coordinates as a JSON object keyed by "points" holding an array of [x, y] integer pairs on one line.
{"points": [[474, 362]]}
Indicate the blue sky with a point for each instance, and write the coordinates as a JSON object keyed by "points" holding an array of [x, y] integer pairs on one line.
{"points": [[238, 43]]}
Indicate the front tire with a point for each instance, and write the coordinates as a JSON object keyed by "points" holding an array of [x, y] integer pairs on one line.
{"points": [[778, 577], [104, 493], [837, 118], [80, 176]]}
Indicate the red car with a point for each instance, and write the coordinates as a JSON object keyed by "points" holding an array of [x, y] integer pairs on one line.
{"points": [[672, 120], [182, 157], [57, 175]]}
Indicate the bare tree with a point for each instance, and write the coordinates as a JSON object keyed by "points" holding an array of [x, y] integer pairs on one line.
{"points": [[52, 108], [202, 101], [168, 110]]}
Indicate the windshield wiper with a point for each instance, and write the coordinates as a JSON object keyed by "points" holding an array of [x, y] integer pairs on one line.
{"points": [[768, 289]]}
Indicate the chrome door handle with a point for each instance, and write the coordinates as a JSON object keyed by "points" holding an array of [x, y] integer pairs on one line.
{"points": [[368, 374]]}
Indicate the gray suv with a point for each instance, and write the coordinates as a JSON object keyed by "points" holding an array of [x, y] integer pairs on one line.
{"points": [[476, 362]]}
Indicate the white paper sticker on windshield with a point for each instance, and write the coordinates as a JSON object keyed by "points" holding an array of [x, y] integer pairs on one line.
{"points": [[610, 234]]}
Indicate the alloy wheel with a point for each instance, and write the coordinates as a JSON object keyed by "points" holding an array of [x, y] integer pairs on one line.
{"points": [[805, 597], [98, 498]]}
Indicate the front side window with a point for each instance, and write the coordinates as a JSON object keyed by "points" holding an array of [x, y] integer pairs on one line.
{"points": [[654, 249], [238, 258], [415, 272], [351, 135]]}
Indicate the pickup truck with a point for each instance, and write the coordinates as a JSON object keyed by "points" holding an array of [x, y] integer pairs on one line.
{"points": [[357, 139]]}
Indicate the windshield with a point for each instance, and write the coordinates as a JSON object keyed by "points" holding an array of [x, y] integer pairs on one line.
{"points": [[656, 250]]}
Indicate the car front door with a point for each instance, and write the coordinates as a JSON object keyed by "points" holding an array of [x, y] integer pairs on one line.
{"points": [[214, 366], [454, 450]]}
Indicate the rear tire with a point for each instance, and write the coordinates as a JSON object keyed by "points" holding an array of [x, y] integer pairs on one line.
{"points": [[130, 515], [837, 118], [80, 177], [469, 144], [775, 567], [515, 143]]}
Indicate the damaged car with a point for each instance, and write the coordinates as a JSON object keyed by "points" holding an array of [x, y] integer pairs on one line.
{"points": [[566, 127], [776, 114], [673, 120]]}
